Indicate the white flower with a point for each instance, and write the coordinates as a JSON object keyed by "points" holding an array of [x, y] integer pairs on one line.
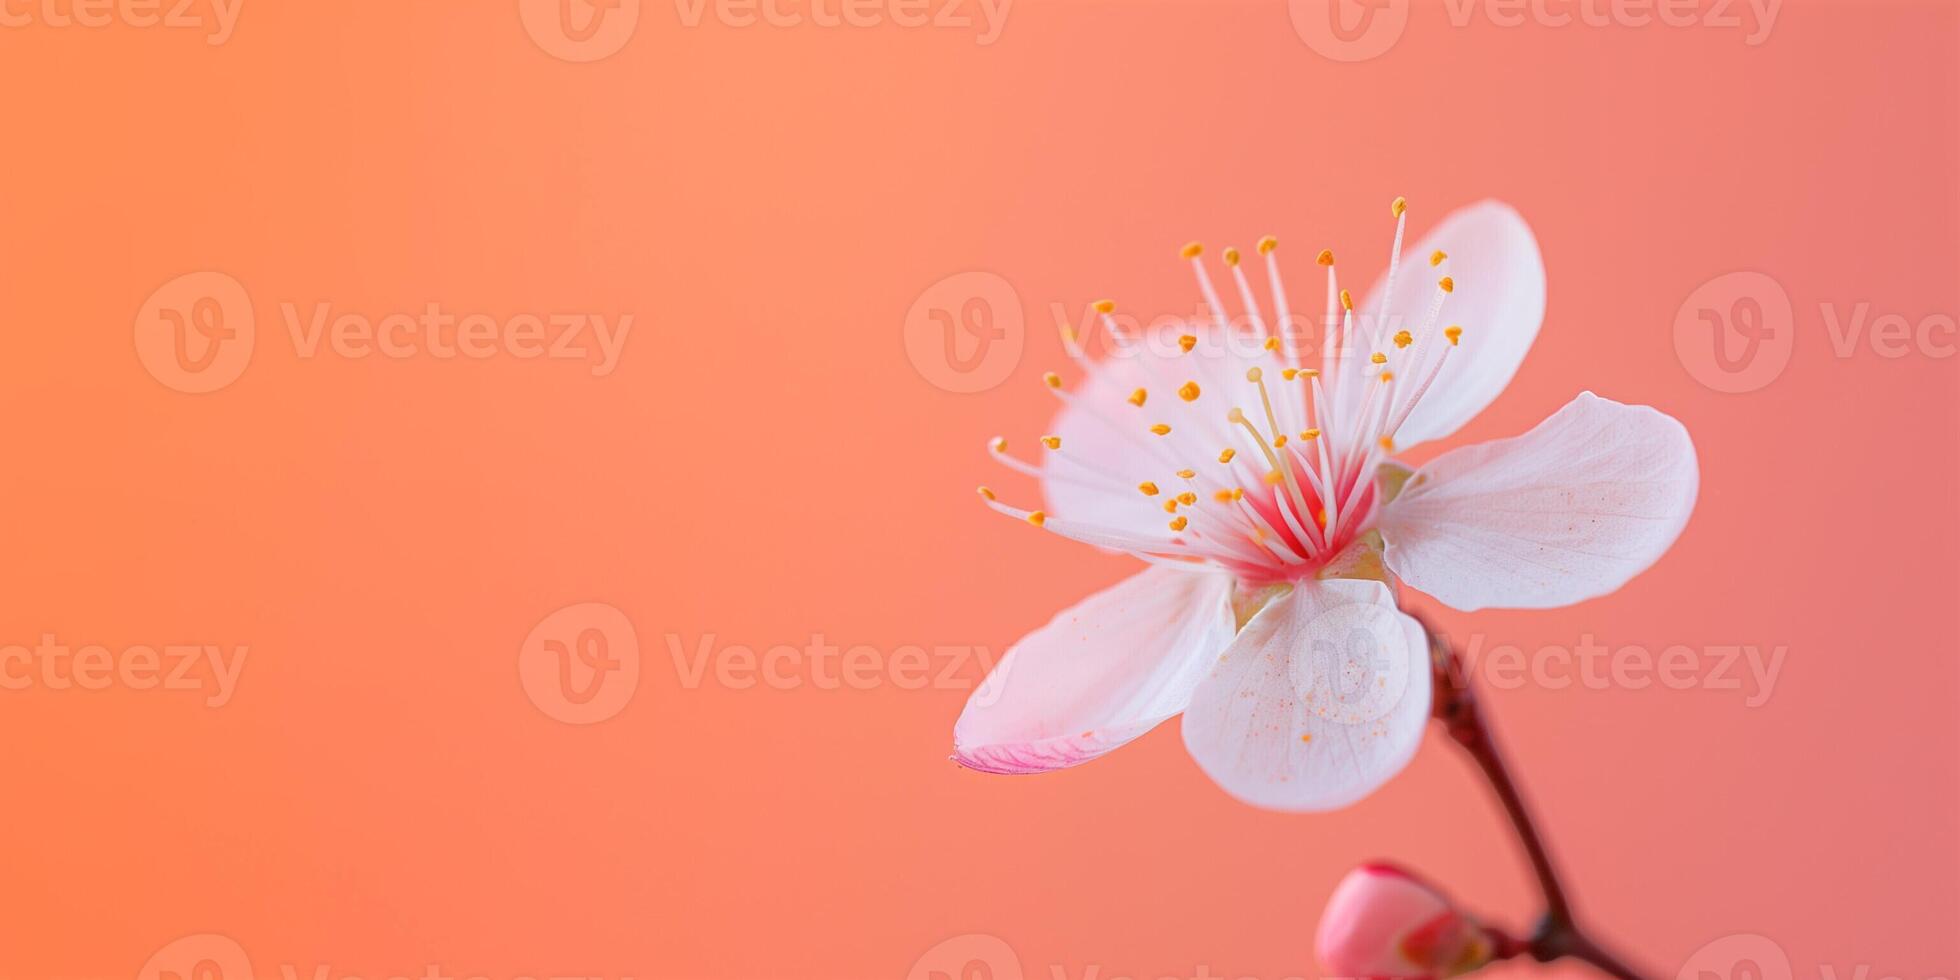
{"points": [[1262, 492]]}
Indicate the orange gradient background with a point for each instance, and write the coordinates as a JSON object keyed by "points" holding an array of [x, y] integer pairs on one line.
{"points": [[766, 463]]}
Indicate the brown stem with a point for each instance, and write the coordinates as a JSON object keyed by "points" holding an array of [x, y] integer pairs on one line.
{"points": [[1557, 935]]}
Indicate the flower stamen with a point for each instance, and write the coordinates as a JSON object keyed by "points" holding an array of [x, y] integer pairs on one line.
{"points": [[1311, 488]]}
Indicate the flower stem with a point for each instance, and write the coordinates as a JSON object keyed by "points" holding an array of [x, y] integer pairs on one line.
{"points": [[1558, 935]]}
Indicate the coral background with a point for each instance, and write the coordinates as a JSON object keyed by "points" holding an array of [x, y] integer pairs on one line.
{"points": [[766, 463]]}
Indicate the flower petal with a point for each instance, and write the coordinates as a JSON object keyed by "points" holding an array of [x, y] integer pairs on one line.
{"points": [[1320, 699], [1099, 674], [1498, 299], [1107, 446], [1566, 512]]}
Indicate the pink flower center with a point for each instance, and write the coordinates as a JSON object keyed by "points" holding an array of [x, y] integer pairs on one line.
{"points": [[1271, 477]]}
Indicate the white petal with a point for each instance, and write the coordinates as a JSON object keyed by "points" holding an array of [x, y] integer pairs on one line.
{"points": [[1321, 698], [1107, 448], [1499, 301], [1099, 674], [1568, 511]]}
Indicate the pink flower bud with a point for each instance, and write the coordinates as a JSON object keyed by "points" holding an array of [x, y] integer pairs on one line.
{"points": [[1382, 921]]}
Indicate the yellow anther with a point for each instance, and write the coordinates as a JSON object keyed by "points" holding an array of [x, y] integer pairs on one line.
{"points": [[1052, 380], [1000, 444], [1267, 244], [1105, 306], [1231, 256], [1148, 488], [1347, 300], [1274, 478], [1378, 357], [1192, 250], [1052, 442], [1161, 429], [1037, 518], [1306, 736], [1186, 342], [1437, 257], [1178, 523], [1238, 493], [1326, 257], [1388, 444], [1226, 456], [987, 493], [1320, 517], [1448, 284], [1399, 205], [1279, 441], [1222, 496], [1310, 373], [1170, 506], [1290, 373], [1310, 434], [1188, 391], [1454, 334], [1187, 498], [1254, 374], [1272, 343], [1137, 397], [1388, 376], [1403, 338], [1235, 416]]}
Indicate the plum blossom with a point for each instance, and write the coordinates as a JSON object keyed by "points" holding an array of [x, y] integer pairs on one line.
{"points": [[1260, 486]]}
